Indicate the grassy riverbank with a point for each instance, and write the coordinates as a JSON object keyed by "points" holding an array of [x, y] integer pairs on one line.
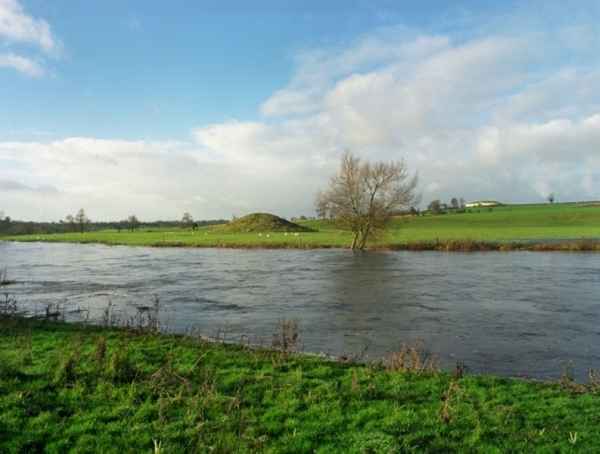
{"points": [[66, 387], [529, 227]]}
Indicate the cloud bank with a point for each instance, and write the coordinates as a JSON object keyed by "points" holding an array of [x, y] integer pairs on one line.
{"points": [[499, 116]]}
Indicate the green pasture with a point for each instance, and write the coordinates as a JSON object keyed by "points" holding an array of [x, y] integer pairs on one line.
{"points": [[500, 224], [506, 223]]}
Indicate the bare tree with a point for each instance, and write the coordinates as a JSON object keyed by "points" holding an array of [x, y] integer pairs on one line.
{"points": [[71, 221], [551, 197], [363, 195], [435, 206], [454, 203], [81, 220], [133, 222], [187, 220]]}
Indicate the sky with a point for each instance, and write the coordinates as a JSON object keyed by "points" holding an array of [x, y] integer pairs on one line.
{"points": [[223, 108]]}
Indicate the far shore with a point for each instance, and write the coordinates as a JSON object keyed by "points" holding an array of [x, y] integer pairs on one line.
{"points": [[568, 227], [548, 245]]}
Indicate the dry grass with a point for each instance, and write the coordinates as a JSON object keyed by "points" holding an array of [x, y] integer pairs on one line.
{"points": [[569, 384], [287, 337], [8, 305], [412, 359], [449, 398], [488, 246]]}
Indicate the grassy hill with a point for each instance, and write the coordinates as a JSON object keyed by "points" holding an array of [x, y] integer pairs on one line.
{"points": [[568, 226], [261, 223]]}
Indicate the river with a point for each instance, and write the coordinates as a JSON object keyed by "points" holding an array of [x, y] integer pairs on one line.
{"points": [[510, 313]]}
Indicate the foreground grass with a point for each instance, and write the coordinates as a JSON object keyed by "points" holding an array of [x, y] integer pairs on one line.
{"points": [[545, 227], [66, 387]]}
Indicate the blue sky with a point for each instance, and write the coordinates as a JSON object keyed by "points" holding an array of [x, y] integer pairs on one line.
{"points": [[142, 69], [222, 108]]}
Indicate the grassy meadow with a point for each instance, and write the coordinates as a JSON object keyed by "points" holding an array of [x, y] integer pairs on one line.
{"points": [[563, 226], [92, 389]]}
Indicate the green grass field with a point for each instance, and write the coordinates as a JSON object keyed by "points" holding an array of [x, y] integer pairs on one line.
{"points": [[511, 223], [68, 388]]}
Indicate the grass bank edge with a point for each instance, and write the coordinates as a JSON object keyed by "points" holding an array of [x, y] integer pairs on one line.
{"points": [[87, 388], [544, 245]]}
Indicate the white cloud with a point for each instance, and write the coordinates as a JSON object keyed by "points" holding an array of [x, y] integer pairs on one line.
{"points": [[21, 64], [493, 116], [16, 25], [318, 70], [114, 178]]}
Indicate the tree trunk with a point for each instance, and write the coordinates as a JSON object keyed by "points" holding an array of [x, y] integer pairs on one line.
{"points": [[363, 241], [355, 240], [364, 236]]}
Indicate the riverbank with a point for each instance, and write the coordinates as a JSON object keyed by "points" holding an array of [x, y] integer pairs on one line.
{"points": [[94, 389], [306, 242], [560, 227]]}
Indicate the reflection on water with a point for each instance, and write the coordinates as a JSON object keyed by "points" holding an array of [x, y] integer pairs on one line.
{"points": [[516, 313]]}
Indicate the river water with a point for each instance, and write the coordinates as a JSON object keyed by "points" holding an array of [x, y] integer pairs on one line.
{"points": [[513, 313]]}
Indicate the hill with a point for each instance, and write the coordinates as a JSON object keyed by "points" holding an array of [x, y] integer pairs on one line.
{"points": [[263, 222]]}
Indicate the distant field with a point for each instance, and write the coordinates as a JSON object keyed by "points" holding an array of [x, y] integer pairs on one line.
{"points": [[508, 224]]}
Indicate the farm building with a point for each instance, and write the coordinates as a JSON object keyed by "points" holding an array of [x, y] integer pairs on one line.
{"points": [[482, 204]]}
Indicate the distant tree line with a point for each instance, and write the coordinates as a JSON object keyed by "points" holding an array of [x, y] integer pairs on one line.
{"points": [[80, 222], [456, 205]]}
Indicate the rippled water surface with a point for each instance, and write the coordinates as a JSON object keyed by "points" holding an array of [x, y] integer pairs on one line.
{"points": [[513, 313]]}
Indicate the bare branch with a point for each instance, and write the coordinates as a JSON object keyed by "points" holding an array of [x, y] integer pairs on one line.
{"points": [[362, 196]]}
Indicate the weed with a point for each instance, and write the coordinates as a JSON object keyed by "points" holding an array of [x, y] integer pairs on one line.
{"points": [[568, 383], [27, 356], [147, 318], [413, 359], [460, 369], [120, 368], [100, 353], [65, 374], [287, 336], [593, 380], [355, 385], [8, 305], [446, 410], [109, 317], [54, 311], [168, 377]]}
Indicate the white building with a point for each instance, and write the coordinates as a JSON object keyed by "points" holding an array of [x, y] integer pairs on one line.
{"points": [[482, 204]]}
